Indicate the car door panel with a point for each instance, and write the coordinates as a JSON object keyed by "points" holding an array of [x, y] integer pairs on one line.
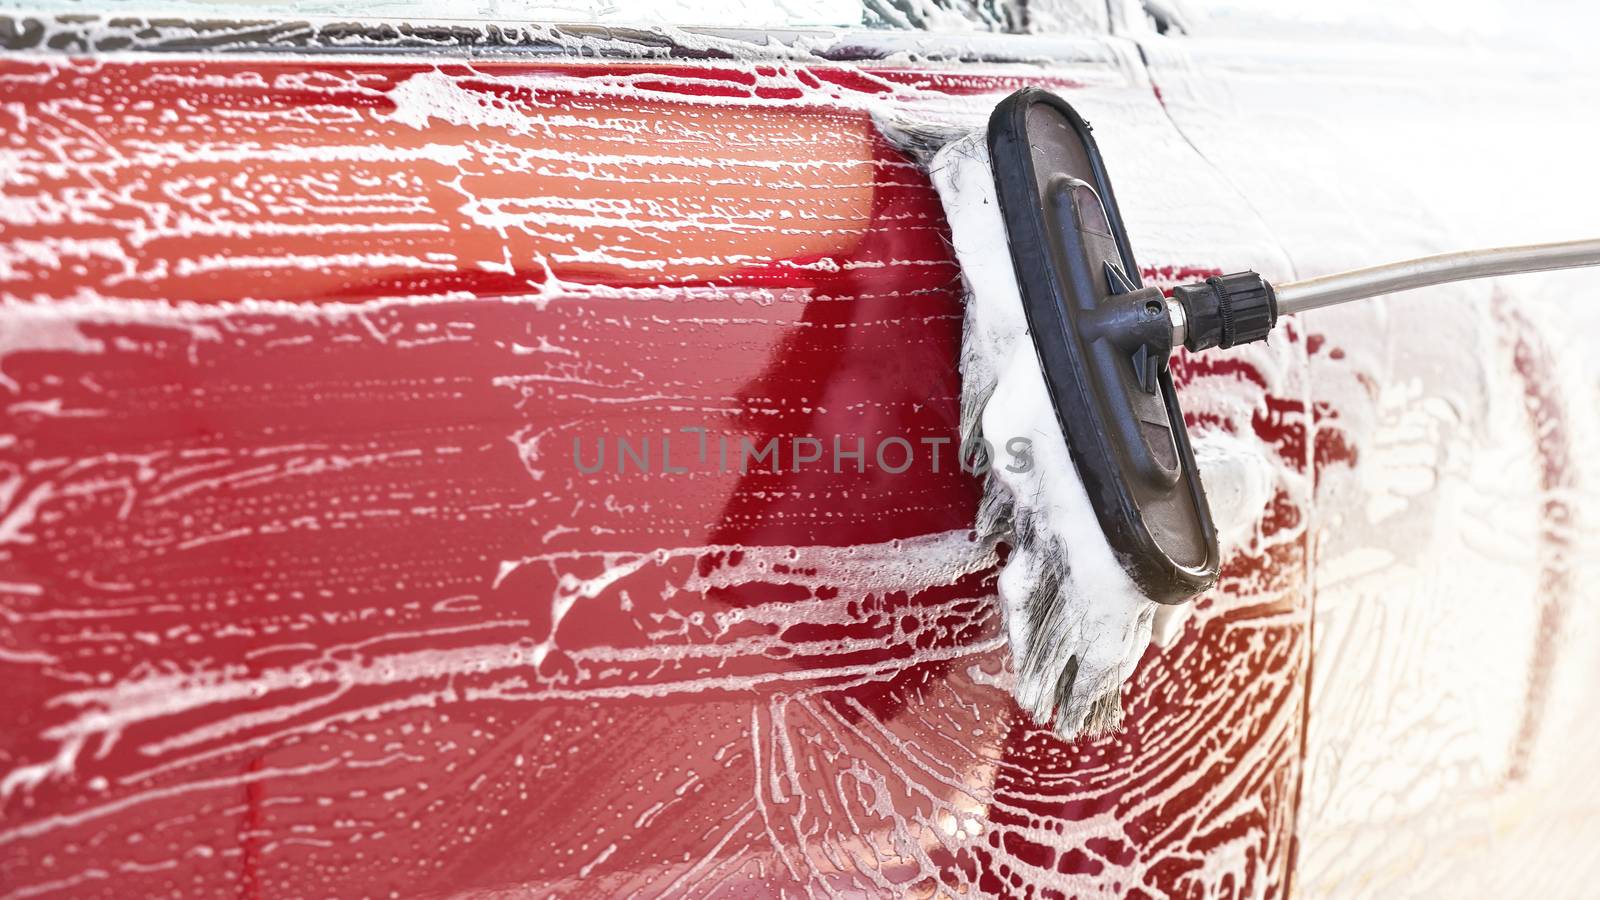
{"points": [[308, 588]]}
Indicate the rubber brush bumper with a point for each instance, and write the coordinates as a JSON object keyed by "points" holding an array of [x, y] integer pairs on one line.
{"points": [[1103, 341]]}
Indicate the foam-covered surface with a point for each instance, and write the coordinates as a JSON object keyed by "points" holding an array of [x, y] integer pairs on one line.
{"points": [[304, 593]]}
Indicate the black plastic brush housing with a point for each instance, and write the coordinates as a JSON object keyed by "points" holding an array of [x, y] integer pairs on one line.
{"points": [[1103, 341]]}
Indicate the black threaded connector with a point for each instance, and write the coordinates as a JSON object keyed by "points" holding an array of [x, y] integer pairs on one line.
{"points": [[1227, 310]]}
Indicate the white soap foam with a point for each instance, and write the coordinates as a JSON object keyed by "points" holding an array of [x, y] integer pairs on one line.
{"points": [[1239, 480]]}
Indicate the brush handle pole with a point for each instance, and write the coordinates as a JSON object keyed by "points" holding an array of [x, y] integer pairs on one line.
{"points": [[1340, 287]]}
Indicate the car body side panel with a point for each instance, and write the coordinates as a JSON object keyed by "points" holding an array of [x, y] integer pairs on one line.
{"points": [[1452, 732], [305, 591]]}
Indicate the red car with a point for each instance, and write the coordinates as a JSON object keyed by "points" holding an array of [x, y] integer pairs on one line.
{"points": [[368, 523]]}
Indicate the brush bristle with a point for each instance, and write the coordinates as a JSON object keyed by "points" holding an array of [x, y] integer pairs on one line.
{"points": [[920, 139]]}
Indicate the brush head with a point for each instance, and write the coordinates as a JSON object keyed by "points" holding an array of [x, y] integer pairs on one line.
{"points": [[1102, 519], [1076, 623], [1104, 343]]}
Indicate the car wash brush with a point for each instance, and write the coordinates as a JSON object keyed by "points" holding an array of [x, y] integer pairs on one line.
{"points": [[1108, 528]]}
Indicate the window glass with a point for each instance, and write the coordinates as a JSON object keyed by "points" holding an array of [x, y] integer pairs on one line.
{"points": [[1485, 22], [1053, 16]]}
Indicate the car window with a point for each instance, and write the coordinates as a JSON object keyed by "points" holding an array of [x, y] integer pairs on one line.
{"points": [[1488, 23], [1013, 16]]}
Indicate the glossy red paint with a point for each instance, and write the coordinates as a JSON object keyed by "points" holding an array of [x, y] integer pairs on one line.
{"points": [[307, 595]]}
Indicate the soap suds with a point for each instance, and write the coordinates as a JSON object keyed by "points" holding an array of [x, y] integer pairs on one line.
{"points": [[1239, 481]]}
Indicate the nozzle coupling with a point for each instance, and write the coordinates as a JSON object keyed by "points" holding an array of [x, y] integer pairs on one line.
{"points": [[1224, 311]]}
